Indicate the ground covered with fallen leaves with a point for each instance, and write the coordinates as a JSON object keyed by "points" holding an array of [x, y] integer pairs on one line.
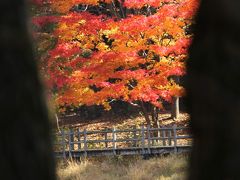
{"points": [[121, 122]]}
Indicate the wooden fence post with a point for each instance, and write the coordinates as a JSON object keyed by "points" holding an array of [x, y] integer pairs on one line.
{"points": [[143, 139], [79, 139], [175, 138], [164, 136], [85, 142], [148, 138], [106, 138], [72, 139], [135, 136], [63, 143], [153, 134], [158, 131], [114, 140], [170, 137]]}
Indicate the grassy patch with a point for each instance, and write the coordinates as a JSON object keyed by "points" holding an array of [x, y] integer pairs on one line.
{"points": [[125, 168]]}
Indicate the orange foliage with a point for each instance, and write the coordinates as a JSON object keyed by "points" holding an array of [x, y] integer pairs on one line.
{"points": [[124, 56]]}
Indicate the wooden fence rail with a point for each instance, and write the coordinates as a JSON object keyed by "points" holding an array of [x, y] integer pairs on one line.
{"points": [[144, 140]]}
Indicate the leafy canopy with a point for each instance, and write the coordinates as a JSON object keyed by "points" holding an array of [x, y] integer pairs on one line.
{"points": [[127, 50]]}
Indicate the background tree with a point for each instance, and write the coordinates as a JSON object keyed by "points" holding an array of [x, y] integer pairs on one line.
{"points": [[213, 91], [25, 143]]}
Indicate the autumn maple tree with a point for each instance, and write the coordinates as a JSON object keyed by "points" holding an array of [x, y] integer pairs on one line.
{"points": [[129, 50]]}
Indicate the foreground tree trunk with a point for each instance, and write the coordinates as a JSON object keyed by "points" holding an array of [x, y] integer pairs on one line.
{"points": [[25, 146], [213, 91]]}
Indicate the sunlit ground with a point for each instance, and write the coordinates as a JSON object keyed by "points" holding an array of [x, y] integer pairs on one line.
{"points": [[173, 167]]}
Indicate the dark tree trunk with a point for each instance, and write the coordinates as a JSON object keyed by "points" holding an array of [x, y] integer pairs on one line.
{"points": [[25, 146], [175, 108], [155, 121], [154, 114], [213, 91], [145, 113]]}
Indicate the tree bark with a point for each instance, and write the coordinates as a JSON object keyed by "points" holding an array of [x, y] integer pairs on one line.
{"points": [[213, 91], [154, 115], [175, 104], [145, 113], [175, 108], [155, 122], [25, 147]]}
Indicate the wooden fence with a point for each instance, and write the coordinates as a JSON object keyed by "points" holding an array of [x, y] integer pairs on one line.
{"points": [[143, 140]]}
